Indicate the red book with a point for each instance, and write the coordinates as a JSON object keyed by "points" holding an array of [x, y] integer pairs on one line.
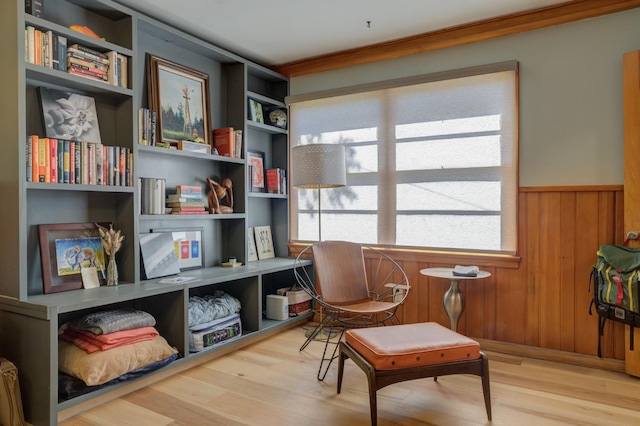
{"points": [[224, 141], [188, 209], [273, 181], [186, 212], [34, 158]]}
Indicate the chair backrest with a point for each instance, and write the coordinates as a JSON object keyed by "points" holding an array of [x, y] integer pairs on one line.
{"points": [[340, 272]]}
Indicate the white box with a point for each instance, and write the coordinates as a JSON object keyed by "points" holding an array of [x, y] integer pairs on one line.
{"points": [[277, 307]]}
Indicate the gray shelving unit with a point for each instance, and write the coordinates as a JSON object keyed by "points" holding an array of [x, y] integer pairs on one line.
{"points": [[30, 319]]}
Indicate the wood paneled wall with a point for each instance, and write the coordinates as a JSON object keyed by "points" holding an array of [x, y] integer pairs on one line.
{"points": [[543, 299]]}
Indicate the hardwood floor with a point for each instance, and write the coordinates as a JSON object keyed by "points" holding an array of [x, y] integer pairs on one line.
{"points": [[272, 383]]}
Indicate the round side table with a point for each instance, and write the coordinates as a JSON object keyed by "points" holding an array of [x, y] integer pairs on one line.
{"points": [[453, 298]]}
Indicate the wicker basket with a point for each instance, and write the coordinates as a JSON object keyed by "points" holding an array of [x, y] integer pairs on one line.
{"points": [[299, 300]]}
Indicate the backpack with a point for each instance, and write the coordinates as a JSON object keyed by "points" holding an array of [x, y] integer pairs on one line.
{"points": [[615, 284]]}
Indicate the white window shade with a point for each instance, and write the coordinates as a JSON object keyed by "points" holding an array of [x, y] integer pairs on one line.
{"points": [[431, 161]]}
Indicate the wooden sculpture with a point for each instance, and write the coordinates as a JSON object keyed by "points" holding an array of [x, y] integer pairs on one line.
{"points": [[219, 193]]}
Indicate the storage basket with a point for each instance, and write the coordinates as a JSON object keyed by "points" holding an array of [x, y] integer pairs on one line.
{"points": [[299, 300]]}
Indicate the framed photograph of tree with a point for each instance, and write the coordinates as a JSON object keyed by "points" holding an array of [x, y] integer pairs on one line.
{"points": [[180, 95]]}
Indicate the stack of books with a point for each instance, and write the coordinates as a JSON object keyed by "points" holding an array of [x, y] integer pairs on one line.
{"points": [[87, 62], [187, 200]]}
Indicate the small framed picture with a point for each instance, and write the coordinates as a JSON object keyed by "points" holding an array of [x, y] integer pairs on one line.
{"points": [[66, 249], [188, 245], [255, 111], [59, 115], [255, 160], [264, 242]]}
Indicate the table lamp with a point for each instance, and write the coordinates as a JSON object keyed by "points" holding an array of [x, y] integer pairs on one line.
{"points": [[318, 166]]}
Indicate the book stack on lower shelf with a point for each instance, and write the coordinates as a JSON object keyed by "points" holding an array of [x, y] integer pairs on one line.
{"points": [[187, 200]]}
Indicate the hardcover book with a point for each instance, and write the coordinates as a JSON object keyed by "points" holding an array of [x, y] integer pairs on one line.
{"points": [[224, 141]]}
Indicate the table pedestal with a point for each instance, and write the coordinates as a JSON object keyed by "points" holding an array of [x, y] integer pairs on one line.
{"points": [[453, 303]]}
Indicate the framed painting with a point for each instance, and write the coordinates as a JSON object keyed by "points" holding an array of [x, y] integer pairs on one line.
{"points": [[255, 161], [188, 245], [65, 249], [68, 116], [180, 95]]}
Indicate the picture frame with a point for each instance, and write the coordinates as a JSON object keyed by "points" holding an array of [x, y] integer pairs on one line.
{"points": [[255, 111], [195, 147], [158, 255], [251, 244], [255, 161], [188, 244], [59, 112], [65, 248], [172, 87], [264, 242]]}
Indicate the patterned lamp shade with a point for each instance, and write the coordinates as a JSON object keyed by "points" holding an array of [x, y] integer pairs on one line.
{"points": [[318, 166]]}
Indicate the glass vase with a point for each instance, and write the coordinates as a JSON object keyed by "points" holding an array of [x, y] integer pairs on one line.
{"points": [[112, 271]]}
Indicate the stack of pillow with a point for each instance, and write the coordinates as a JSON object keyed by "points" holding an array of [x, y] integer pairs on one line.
{"points": [[107, 347]]}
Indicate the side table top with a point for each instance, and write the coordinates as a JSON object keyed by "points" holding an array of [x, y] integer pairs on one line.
{"points": [[448, 274]]}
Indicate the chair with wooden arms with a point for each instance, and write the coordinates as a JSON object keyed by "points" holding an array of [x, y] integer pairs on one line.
{"points": [[354, 287]]}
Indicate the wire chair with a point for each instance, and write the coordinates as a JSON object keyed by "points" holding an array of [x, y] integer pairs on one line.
{"points": [[352, 286]]}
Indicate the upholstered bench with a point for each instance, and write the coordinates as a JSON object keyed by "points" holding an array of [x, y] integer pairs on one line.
{"points": [[397, 353]]}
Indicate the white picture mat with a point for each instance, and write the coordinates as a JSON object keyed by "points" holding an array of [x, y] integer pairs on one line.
{"points": [[264, 242]]}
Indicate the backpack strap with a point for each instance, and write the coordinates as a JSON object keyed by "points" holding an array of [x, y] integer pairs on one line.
{"points": [[601, 321]]}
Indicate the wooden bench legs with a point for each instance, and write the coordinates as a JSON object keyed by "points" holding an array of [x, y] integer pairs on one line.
{"points": [[377, 379]]}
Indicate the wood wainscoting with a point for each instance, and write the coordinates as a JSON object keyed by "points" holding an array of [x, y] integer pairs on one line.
{"points": [[540, 298]]}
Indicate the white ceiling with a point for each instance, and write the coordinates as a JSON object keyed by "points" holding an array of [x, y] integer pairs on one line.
{"points": [[275, 32]]}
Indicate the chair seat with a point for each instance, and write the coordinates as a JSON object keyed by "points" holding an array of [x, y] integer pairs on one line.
{"points": [[411, 345], [368, 307]]}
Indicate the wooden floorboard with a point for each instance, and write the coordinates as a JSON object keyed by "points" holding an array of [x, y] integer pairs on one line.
{"points": [[273, 383]]}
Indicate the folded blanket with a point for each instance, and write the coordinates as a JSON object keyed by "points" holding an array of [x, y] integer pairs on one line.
{"points": [[91, 342], [466, 271], [104, 322]]}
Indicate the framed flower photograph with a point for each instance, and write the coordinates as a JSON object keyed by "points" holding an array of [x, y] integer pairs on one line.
{"points": [[180, 95], [255, 161], [68, 116], [67, 248]]}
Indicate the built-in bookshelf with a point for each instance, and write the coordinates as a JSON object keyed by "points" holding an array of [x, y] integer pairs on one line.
{"points": [[29, 317]]}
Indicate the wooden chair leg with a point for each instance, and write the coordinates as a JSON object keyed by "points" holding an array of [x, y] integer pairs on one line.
{"points": [[486, 390]]}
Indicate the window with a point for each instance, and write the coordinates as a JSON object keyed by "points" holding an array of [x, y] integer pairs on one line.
{"points": [[431, 161]]}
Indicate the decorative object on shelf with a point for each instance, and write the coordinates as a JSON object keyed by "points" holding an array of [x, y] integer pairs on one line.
{"points": [[255, 111], [251, 242], [276, 116], [83, 29], [65, 249], [188, 245], [264, 242], [231, 264], [181, 97], [317, 166], [34, 7], [219, 193], [255, 159], [197, 147], [112, 242], [158, 255], [152, 191], [69, 116]]}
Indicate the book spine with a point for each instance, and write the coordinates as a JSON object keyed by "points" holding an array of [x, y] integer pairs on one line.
{"points": [[72, 162], [35, 158], [129, 167], [98, 155], [110, 165], [29, 159], [116, 165], [152, 135], [55, 53], [88, 50], [62, 53], [105, 166], [123, 62], [60, 163], [37, 47], [78, 162], [84, 168], [91, 164], [122, 166], [66, 162], [31, 51], [223, 141], [42, 160], [48, 162], [48, 40]]}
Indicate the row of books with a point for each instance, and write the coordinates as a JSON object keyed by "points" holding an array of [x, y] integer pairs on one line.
{"points": [[228, 142], [51, 160], [50, 50], [276, 180], [146, 126], [188, 199]]}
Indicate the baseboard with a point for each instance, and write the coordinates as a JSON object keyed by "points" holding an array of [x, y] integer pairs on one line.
{"points": [[554, 355]]}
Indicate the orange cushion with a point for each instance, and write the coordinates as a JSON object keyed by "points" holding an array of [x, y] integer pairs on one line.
{"points": [[411, 345]]}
